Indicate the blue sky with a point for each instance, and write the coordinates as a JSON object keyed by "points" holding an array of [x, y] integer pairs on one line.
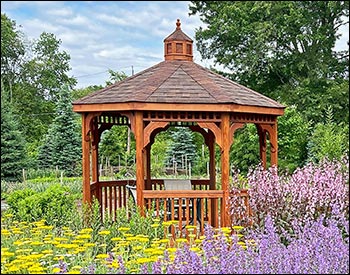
{"points": [[117, 35]]}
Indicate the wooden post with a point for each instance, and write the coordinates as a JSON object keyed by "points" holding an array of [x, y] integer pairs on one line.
{"points": [[148, 167], [95, 154], [262, 144], [225, 166], [86, 159], [274, 144], [140, 181], [212, 179], [24, 175]]}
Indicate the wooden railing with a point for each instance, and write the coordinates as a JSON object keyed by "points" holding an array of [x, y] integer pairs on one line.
{"points": [[113, 195], [196, 207], [188, 207]]}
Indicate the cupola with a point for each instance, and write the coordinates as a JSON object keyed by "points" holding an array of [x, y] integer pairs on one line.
{"points": [[178, 46]]}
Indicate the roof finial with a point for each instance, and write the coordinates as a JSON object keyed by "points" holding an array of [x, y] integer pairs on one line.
{"points": [[178, 24]]}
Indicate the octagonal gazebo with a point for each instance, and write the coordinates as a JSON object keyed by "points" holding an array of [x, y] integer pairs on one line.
{"points": [[174, 92]]}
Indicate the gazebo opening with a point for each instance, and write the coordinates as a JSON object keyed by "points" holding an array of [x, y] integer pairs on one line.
{"points": [[174, 93]]}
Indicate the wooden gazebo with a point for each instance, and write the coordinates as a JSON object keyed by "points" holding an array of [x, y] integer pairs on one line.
{"points": [[176, 91]]}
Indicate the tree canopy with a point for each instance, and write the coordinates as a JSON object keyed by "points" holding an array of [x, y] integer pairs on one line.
{"points": [[283, 49], [62, 146]]}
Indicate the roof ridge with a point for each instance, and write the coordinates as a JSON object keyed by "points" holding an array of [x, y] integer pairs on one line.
{"points": [[176, 66], [200, 84], [212, 83], [241, 86], [115, 84]]}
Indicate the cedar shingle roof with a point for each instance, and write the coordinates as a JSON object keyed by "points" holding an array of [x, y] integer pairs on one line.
{"points": [[178, 82]]}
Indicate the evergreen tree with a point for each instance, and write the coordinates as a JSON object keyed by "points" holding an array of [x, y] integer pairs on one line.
{"points": [[62, 146], [182, 148], [12, 144], [45, 156]]}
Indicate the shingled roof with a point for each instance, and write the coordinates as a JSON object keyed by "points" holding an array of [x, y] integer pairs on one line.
{"points": [[178, 81]]}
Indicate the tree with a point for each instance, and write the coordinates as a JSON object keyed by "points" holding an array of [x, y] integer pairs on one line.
{"points": [[12, 53], [42, 77], [45, 157], [116, 142], [81, 92], [293, 131], [284, 49], [244, 153], [113, 146], [328, 140], [63, 148], [12, 144], [115, 76], [182, 150]]}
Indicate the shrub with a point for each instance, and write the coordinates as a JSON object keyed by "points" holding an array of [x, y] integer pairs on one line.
{"points": [[318, 248], [16, 197], [55, 204], [305, 195]]}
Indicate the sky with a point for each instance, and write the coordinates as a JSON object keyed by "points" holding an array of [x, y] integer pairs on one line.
{"points": [[124, 36]]}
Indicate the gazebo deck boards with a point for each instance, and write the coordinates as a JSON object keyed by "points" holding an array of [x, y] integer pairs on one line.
{"points": [[175, 92]]}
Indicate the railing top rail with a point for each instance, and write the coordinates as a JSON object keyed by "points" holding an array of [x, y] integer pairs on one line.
{"points": [[152, 194]]}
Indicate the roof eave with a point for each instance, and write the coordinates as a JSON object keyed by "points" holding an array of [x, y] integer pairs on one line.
{"points": [[141, 106]]}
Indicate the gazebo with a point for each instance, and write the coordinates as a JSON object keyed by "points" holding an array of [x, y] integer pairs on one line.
{"points": [[175, 92]]}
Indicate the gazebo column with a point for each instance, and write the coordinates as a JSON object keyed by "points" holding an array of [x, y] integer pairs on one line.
{"points": [[212, 176], [271, 129], [86, 157], [262, 144], [274, 144], [147, 159], [95, 142], [94, 162], [139, 138], [225, 166]]}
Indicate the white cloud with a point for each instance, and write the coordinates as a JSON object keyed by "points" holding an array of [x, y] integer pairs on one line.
{"points": [[63, 12], [102, 35]]}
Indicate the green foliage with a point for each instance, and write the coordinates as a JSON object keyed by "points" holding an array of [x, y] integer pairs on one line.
{"points": [[115, 76], [269, 43], [312, 98], [244, 151], [114, 146], [62, 146], [293, 131], [32, 73], [46, 154], [158, 154], [16, 197], [181, 148], [283, 49], [79, 93], [55, 204], [12, 52], [328, 140], [12, 145]]}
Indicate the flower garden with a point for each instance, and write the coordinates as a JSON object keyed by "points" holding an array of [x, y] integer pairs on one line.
{"points": [[299, 225]]}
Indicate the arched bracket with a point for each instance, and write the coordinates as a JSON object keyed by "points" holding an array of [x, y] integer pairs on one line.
{"points": [[153, 125], [215, 129], [233, 129], [88, 125], [272, 131]]}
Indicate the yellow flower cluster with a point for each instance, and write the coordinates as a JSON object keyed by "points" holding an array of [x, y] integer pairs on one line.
{"points": [[36, 248]]}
